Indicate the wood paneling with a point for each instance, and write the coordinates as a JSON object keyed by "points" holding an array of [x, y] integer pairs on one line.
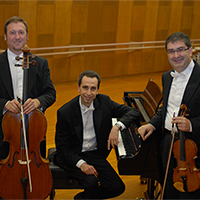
{"points": [[195, 33], [151, 20], [175, 16], [124, 21], [61, 23], [62, 32]]}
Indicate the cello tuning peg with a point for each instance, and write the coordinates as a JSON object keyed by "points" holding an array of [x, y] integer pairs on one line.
{"points": [[33, 62], [17, 58], [33, 56]]}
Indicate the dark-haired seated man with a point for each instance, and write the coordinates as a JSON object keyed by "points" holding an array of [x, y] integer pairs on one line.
{"points": [[85, 136]]}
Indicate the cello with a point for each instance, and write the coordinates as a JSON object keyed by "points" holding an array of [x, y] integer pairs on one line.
{"points": [[25, 174], [186, 176]]}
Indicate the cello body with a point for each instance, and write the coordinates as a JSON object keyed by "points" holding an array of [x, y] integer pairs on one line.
{"points": [[13, 169], [24, 174]]}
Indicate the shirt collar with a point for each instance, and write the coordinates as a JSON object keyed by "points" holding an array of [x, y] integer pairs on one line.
{"points": [[84, 108], [12, 56], [184, 73]]}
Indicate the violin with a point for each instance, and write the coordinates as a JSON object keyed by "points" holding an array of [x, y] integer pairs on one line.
{"points": [[25, 174], [186, 176]]}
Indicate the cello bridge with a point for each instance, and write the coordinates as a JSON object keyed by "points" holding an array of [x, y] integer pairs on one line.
{"points": [[22, 162]]}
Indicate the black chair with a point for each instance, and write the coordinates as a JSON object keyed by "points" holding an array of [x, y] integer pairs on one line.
{"points": [[61, 178]]}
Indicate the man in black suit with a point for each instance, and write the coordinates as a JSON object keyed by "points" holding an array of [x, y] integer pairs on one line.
{"points": [[180, 86], [41, 93], [85, 135]]}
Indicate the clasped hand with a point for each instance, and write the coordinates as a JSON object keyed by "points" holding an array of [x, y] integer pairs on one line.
{"points": [[30, 105], [182, 123]]}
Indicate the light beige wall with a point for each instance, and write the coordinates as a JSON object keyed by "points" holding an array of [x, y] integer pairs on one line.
{"points": [[68, 22]]}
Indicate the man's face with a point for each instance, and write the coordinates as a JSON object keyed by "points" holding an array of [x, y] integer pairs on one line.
{"points": [[88, 90], [179, 60], [16, 36]]}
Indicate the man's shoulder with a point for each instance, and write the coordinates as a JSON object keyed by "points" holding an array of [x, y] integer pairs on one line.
{"points": [[102, 97], [196, 66], [168, 72], [69, 105], [39, 59], [3, 58], [3, 54]]}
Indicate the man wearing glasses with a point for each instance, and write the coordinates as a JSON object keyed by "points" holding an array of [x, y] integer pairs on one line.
{"points": [[180, 86]]}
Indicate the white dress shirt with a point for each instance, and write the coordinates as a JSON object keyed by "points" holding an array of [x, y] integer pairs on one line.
{"points": [[89, 136], [16, 73], [176, 93]]}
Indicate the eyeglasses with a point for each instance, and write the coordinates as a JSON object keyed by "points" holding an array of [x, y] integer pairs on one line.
{"points": [[180, 50]]}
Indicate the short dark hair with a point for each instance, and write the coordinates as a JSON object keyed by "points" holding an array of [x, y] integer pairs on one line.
{"points": [[91, 74], [15, 19], [178, 36]]}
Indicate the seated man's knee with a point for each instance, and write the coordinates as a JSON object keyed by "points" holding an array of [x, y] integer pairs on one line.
{"points": [[118, 189], [121, 188], [91, 181]]}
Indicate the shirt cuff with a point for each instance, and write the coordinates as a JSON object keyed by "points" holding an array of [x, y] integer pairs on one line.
{"points": [[190, 127], [79, 163], [122, 125], [4, 110]]}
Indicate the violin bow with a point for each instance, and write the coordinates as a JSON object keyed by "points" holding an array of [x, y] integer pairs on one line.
{"points": [[168, 160]]}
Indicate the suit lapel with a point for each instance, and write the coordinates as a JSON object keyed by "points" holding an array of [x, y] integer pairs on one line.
{"points": [[32, 76], [192, 85], [97, 115], [76, 116], [5, 74], [167, 82]]}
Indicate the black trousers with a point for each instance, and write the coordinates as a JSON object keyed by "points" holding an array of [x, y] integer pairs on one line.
{"points": [[107, 185], [170, 191]]}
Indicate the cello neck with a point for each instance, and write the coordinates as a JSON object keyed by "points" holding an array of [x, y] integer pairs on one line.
{"points": [[25, 68]]}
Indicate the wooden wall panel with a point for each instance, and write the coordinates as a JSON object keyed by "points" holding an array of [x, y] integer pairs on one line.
{"points": [[163, 18], [93, 62], [186, 21], [45, 19], [28, 9], [94, 22], [62, 32], [151, 19], [109, 25], [108, 64], [147, 64], [8, 9], [121, 66], [161, 64], [175, 16], [135, 60], [76, 66], [60, 73], [61, 23], [124, 21], [138, 17], [195, 33], [79, 14]]}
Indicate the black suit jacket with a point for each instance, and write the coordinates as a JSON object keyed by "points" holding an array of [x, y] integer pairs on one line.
{"points": [[40, 84], [69, 127], [191, 99]]}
